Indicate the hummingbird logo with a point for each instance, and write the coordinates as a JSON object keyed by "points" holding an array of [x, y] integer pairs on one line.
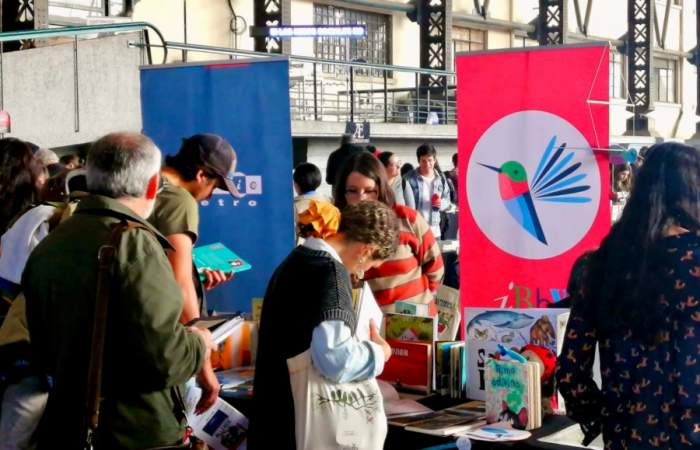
{"points": [[555, 180]]}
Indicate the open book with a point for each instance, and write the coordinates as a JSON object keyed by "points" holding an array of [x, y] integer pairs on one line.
{"points": [[221, 326]]}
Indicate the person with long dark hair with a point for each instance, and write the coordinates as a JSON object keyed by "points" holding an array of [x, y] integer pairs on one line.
{"points": [[415, 271], [21, 178], [640, 302]]}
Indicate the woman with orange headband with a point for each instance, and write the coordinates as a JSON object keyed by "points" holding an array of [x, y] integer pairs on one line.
{"points": [[308, 304]]}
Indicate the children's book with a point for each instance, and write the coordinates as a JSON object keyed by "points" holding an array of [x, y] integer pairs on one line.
{"points": [[443, 366], [485, 328], [473, 406], [404, 327], [513, 393], [397, 407], [443, 423], [458, 375], [221, 326], [410, 366], [233, 378], [217, 257], [411, 308], [448, 306], [498, 432]]}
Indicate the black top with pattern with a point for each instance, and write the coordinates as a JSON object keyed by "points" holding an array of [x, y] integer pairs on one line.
{"points": [[650, 397]]}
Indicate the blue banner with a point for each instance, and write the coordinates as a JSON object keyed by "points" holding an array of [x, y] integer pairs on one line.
{"points": [[247, 102]]}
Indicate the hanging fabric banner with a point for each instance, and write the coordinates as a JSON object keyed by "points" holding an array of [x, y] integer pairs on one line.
{"points": [[536, 194], [246, 102]]}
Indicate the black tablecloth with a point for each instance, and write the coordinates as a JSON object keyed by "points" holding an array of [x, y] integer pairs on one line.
{"points": [[400, 439]]}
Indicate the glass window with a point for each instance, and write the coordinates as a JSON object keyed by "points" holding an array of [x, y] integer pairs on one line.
{"points": [[617, 77], [375, 48], [86, 8], [663, 79], [468, 39], [519, 41]]}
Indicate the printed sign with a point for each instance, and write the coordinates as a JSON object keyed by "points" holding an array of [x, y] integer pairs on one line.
{"points": [[535, 195]]}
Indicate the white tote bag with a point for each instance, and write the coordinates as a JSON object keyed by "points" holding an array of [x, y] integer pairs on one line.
{"points": [[335, 415]]}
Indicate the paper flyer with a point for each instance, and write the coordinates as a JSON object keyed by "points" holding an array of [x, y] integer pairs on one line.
{"points": [[222, 427]]}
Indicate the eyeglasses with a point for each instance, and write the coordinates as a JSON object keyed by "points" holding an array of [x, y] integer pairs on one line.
{"points": [[352, 192]]}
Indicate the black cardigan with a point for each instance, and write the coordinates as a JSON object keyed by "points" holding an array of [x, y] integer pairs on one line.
{"points": [[308, 288]]}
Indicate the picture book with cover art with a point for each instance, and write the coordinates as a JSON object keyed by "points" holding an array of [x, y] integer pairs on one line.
{"points": [[513, 393], [405, 327], [410, 366], [485, 328]]}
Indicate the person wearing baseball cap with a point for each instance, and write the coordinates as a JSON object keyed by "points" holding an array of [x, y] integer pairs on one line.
{"points": [[203, 163]]}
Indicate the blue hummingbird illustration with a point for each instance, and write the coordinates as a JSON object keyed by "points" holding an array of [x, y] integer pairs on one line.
{"points": [[554, 181]]}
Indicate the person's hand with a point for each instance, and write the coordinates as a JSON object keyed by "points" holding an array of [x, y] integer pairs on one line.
{"points": [[205, 335], [435, 201], [210, 388], [375, 337], [215, 278]]}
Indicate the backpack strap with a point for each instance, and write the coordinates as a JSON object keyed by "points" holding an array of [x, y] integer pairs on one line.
{"points": [[106, 256], [413, 182]]}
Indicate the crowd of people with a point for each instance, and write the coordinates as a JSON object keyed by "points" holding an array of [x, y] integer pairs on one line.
{"points": [[99, 286]]}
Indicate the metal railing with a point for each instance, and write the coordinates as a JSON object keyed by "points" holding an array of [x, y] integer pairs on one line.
{"points": [[352, 91], [46, 33]]}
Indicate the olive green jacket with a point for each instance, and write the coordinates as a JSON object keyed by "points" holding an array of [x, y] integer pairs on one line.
{"points": [[148, 353]]}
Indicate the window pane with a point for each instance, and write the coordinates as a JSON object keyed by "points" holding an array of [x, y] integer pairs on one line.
{"points": [[468, 39], [374, 48], [664, 77]]}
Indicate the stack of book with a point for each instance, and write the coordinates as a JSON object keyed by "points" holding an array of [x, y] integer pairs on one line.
{"points": [[458, 419], [411, 339], [420, 361]]}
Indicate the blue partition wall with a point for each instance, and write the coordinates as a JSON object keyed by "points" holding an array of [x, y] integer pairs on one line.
{"points": [[247, 102]]}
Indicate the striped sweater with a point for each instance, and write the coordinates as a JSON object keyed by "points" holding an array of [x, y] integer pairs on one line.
{"points": [[415, 271]]}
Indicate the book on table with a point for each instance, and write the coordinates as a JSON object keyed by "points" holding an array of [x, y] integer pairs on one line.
{"points": [[221, 326], [410, 366], [513, 393], [485, 328], [410, 328], [397, 407], [217, 257], [444, 423]]}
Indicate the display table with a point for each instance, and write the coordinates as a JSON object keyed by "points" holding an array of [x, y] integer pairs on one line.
{"points": [[398, 438]]}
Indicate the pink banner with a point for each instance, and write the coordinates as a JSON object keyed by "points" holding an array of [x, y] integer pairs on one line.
{"points": [[536, 190]]}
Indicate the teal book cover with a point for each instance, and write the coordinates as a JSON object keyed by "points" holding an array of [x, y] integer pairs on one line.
{"points": [[218, 257]]}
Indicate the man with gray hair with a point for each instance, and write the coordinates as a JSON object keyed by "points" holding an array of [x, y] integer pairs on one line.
{"points": [[148, 355]]}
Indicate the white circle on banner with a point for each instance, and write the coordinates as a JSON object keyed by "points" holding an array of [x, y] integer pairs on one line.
{"points": [[540, 194]]}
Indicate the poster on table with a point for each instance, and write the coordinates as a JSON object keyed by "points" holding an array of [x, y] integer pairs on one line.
{"points": [[246, 102], [532, 134]]}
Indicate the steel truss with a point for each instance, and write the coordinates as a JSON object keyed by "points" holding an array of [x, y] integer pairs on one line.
{"points": [[435, 23], [551, 22], [269, 13], [640, 19]]}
